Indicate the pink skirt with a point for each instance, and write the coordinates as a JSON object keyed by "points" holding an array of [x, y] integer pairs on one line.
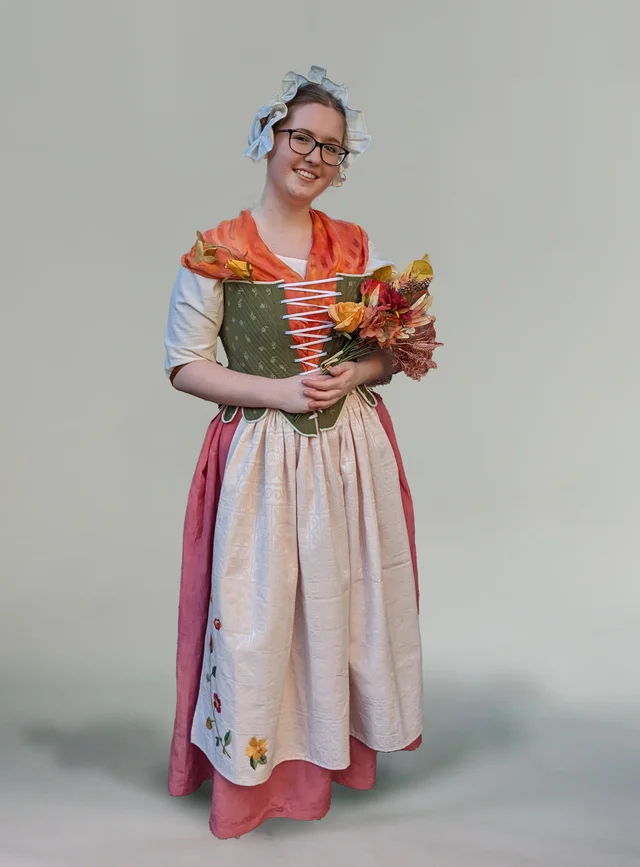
{"points": [[296, 789]]}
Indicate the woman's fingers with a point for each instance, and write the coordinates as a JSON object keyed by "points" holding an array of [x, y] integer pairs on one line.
{"points": [[322, 391], [323, 383], [315, 394]]}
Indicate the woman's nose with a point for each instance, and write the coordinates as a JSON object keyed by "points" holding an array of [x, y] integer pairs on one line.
{"points": [[314, 157]]}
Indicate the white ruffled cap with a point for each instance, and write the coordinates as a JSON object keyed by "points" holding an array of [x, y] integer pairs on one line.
{"points": [[261, 138]]}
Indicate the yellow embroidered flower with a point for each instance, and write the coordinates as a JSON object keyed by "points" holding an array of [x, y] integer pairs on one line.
{"points": [[256, 752], [241, 269], [347, 316]]}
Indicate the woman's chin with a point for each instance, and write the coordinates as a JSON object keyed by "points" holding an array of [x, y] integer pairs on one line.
{"points": [[305, 193]]}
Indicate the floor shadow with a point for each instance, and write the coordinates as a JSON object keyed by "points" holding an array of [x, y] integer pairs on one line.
{"points": [[460, 720], [126, 748]]}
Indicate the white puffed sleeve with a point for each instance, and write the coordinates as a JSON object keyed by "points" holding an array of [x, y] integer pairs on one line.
{"points": [[376, 261], [195, 316]]}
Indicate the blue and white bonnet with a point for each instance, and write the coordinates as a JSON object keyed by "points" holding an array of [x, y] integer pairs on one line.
{"points": [[261, 135]]}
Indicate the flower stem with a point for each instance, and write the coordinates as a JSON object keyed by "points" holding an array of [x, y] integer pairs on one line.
{"points": [[355, 349]]}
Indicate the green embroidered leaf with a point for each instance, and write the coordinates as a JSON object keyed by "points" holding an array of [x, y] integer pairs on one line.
{"points": [[208, 676], [263, 760], [218, 741], [227, 739], [253, 764], [213, 672]]}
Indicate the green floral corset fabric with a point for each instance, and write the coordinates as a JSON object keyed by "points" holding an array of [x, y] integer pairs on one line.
{"points": [[254, 339]]}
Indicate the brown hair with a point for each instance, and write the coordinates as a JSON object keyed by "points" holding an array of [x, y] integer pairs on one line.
{"points": [[311, 93]]}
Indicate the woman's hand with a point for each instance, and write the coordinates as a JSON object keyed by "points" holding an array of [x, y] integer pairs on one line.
{"points": [[291, 397], [317, 391], [322, 390]]}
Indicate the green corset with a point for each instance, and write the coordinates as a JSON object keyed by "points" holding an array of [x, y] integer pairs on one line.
{"points": [[254, 339]]}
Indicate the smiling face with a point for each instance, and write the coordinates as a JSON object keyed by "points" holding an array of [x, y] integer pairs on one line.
{"points": [[303, 177]]}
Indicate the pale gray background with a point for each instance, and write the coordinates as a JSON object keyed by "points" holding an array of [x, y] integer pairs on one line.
{"points": [[505, 144]]}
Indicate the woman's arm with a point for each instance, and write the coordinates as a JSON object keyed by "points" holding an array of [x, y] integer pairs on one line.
{"points": [[209, 380], [376, 367], [196, 311]]}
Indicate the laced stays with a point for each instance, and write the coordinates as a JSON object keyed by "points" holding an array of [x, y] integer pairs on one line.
{"points": [[315, 302]]}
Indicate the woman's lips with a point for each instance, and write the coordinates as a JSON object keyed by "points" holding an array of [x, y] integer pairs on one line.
{"points": [[306, 176]]}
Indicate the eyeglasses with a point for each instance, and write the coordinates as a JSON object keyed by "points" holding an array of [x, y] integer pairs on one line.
{"points": [[302, 143]]}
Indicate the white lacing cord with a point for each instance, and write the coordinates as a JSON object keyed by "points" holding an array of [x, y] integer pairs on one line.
{"points": [[315, 338], [311, 295]]}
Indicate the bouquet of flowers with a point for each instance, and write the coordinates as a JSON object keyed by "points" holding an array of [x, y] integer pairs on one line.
{"points": [[392, 315]]}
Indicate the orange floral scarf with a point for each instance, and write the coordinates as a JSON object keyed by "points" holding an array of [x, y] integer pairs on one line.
{"points": [[338, 248]]}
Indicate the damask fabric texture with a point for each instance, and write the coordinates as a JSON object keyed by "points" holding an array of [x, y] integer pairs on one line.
{"points": [[313, 629], [295, 788]]}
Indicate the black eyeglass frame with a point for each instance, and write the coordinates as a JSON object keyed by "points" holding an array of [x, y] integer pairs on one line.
{"points": [[317, 144]]}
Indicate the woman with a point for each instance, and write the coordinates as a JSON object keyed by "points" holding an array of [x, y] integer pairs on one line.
{"points": [[299, 650]]}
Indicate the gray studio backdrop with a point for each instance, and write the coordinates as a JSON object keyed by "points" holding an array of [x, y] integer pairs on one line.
{"points": [[505, 143]]}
